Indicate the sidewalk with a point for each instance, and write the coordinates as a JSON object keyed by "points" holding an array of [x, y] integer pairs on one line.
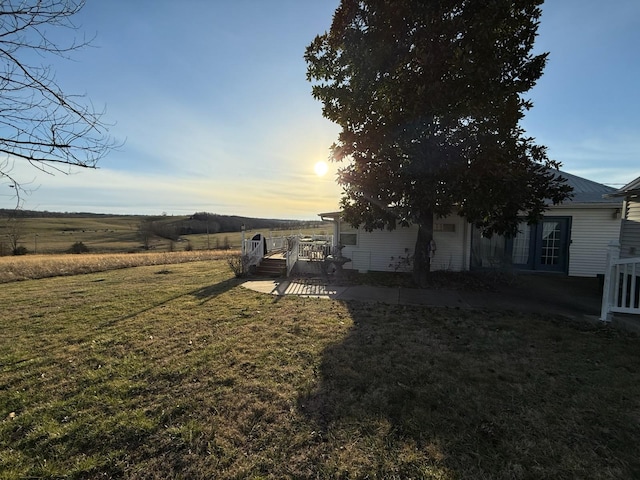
{"points": [[572, 297]]}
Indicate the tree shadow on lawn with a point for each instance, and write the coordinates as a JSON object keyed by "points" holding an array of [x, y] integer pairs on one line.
{"points": [[480, 394], [205, 294], [210, 292]]}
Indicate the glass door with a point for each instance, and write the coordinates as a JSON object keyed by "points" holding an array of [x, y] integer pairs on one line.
{"points": [[544, 246], [552, 249], [522, 248]]}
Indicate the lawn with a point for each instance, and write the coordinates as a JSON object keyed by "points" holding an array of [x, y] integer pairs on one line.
{"points": [[176, 371]]}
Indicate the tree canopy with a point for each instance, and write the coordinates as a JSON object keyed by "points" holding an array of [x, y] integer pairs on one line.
{"points": [[429, 95], [39, 122]]}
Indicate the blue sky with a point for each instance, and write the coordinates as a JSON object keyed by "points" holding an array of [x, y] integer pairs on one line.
{"points": [[211, 100]]}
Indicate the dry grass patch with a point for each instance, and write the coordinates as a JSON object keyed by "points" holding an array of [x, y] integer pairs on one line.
{"points": [[30, 267], [140, 375]]}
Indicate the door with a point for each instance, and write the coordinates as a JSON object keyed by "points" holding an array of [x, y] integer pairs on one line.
{"points": [[543, 247], [552, 245]]}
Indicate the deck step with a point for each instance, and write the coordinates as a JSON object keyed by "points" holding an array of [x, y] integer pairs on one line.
{"points": [[272, 267]]}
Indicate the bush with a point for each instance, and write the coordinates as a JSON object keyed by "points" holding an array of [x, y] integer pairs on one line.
{"points": [[78, 247], [20, 250], [403, 263], [239, 264]]}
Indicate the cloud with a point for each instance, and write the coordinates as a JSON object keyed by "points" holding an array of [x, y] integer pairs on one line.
{"points": [[610, 157], [108, 191]]}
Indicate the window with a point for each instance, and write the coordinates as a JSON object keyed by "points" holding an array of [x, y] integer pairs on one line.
{"points": [[348, 239], [521, 244]]}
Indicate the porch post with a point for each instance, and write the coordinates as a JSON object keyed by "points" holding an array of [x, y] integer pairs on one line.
{"points": [[609, 296], [242, 247]]}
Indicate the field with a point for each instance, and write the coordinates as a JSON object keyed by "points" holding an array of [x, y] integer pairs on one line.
{"points": [[177, 371], [117, 234], [31, 267], [100, 234]]}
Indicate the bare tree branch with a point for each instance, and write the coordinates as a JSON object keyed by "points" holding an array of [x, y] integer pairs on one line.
{"points": [[39, 122]]}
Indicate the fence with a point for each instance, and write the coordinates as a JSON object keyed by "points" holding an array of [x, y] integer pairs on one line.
{"points": [[621, 292]]}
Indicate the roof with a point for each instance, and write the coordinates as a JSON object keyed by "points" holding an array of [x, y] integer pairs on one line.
{"points": [[588, 191], [585, 192], [330, 215], [631, 188]]}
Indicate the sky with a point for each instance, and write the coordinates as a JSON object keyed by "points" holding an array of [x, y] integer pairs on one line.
{"points": [[211, 101]]}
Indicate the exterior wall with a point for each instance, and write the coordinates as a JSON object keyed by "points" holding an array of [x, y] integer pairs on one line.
{"points": [[453, 248], [630, 230], [591, 231], [374, 250]]}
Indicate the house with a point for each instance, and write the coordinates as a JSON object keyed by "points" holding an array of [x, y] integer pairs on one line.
{"points": [[621, 291], [630, 227], [571, 239]]}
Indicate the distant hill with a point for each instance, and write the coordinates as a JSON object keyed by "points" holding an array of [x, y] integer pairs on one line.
{"points": [[55, 232], [199, 222], [6, 213], [203, 222]]}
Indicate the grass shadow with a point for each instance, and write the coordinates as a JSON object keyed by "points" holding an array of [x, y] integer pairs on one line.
{"points": [[480, 394]]}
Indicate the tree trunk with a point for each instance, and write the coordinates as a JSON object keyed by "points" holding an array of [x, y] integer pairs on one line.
{"points": [[422, 259]]}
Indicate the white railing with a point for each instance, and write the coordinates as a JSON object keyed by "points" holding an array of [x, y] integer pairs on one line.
{"points": [[291, 253], [279, 244], [254, 250], [275, 244], [621, 292], [310, 250]]}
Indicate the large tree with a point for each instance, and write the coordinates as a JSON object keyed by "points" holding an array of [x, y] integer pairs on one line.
{"points": [[39, 122], [429, 95]]}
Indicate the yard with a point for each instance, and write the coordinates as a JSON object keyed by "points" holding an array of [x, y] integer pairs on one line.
{"points": [[175, 371]]}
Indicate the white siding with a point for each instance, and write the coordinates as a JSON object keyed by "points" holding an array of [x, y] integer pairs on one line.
{"points": [[450, 253], [630, 231], [375, 249], [591, 231]]}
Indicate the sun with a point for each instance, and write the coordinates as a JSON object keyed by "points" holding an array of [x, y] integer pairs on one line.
{"points": [[320, 168]]}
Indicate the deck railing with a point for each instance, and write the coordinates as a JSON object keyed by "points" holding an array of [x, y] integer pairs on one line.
{"points": [[294, 248], [291, 253], [313, 250], [254, 250], [621, 292], [276, 244]]}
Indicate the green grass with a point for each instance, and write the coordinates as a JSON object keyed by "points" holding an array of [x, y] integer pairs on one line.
{"points": [[178, 372]]}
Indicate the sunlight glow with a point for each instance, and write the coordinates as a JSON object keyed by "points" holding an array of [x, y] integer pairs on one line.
{"points": [[320, 168]]}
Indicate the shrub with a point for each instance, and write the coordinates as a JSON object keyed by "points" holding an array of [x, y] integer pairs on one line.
{"points": [[239, 264], [78, 247], [20, 250], [402, 263]]}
